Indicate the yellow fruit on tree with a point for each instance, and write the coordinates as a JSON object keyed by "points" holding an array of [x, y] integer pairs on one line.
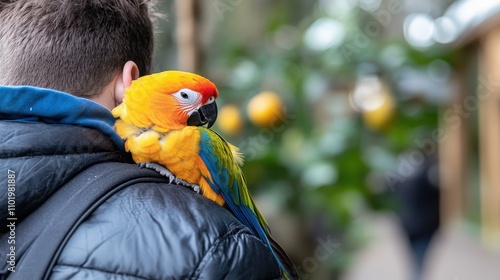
{"points": [[265, 109], [379, 117], [230, 120]]}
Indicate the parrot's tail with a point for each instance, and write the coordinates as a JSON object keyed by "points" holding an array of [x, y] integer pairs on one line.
{"points": [[286, 265]]}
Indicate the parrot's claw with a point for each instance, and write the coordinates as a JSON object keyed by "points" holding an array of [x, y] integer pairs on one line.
{"points": [[171, 177], [160, 169]]}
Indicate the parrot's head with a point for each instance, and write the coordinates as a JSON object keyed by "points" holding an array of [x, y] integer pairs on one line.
{"points": [[195, 96], [173, 99]]}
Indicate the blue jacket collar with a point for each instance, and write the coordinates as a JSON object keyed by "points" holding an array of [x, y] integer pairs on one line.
{"points": [[32, 104]]}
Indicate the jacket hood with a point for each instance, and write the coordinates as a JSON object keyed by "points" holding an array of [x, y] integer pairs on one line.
{"points": [[40, 105]]}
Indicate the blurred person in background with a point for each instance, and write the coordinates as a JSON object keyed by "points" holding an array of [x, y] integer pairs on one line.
{"points": [[418, 208]]}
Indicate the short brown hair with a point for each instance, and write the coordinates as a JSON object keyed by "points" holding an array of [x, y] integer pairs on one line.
{"points": [[73, 46]]}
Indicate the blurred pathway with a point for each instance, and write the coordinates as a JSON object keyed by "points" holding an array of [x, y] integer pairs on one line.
{"points": [[454, 255], [386, 256], [457, 255]]}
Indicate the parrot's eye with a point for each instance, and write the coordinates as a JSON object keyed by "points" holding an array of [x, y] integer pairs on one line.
{"points": [[187, 96], [210, 100]]}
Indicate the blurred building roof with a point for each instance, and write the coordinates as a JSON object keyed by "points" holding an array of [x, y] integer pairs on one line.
{"points": [[465, 21]]}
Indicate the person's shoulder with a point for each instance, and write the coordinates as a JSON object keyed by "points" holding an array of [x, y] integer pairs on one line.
{"points": [[168, 204], [154, 230]]}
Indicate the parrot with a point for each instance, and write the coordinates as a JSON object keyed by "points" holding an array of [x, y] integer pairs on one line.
{"points": [[164, 120]]}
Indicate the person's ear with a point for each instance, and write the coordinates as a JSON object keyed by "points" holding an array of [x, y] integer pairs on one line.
{"points": [[129, 73]]}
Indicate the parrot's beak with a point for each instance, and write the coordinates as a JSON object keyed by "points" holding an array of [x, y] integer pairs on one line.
{"points": [[207, 114]]}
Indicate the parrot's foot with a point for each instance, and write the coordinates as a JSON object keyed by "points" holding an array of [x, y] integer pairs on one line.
{"points": [[171, 177]]}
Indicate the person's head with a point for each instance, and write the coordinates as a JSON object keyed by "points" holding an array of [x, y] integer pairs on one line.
{"points": [[88, 48]]}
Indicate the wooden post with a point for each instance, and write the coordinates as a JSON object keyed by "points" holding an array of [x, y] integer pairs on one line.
{"points": [[187, 35], [454, 153], [489, 137]]}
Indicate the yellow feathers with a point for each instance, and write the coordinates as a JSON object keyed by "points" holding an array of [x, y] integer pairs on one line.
{"points": [[237, 155]]}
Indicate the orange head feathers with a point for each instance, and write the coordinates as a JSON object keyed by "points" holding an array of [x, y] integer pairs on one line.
{"points": [[169, 100]]}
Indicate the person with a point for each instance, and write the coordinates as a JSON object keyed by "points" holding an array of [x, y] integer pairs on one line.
{"points": [[63, 66], [418, 210]]}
